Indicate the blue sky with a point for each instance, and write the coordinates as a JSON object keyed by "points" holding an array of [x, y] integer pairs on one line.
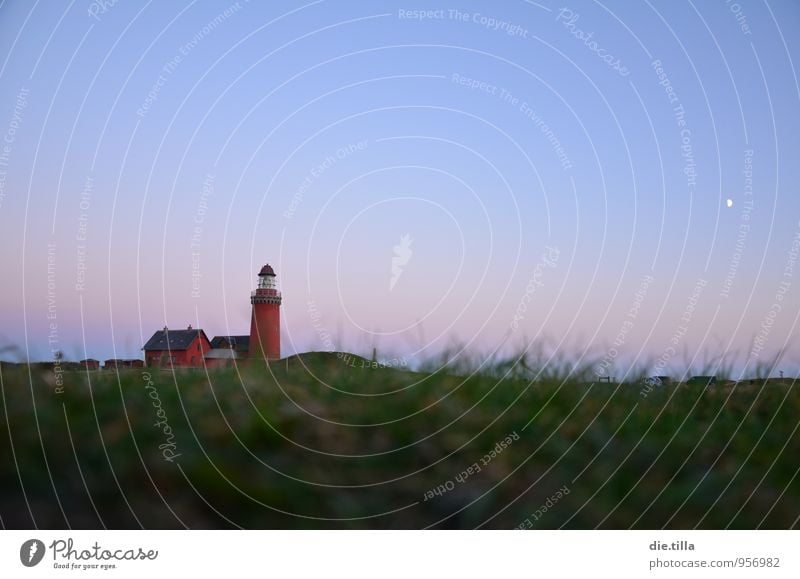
{"points": [[210, 138]]}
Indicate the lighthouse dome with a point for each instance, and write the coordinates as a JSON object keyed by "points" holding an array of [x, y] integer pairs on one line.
{"points": [[267, 270]]}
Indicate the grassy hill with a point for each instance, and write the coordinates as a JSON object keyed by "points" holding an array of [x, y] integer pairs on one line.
{"points": [[324, 440]]}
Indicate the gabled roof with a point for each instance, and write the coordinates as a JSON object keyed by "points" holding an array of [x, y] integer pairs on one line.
{"points": [[238, 342], [173, 340]]}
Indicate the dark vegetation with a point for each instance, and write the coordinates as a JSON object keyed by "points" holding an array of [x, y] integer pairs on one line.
{"points": [[327, 444]]}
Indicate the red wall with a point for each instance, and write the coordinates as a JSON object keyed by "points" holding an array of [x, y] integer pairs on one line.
{"points": [[265, 331], [182, 357]]}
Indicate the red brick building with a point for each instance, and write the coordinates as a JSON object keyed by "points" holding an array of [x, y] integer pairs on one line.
{"points": [[120, 363], [90, 364], [191, 348], [176, 348]]}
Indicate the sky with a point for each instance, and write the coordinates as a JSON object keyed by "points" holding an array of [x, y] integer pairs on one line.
{"points": [[613, 181]]}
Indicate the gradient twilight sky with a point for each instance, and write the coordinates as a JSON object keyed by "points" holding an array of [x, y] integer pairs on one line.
{"points": [[145, 142]]}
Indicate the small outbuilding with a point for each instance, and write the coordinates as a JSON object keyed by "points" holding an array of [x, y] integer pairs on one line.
{"points": [[238, 343], [117, 363], [90, 364], [222, 357]]}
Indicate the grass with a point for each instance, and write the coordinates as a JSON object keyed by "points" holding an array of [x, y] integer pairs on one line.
{"points": [[319, 443]]}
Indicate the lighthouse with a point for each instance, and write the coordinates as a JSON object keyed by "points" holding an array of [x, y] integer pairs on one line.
{"points": [[265, 323]]}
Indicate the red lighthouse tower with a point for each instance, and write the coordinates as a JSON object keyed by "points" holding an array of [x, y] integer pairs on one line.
{"points": [[265, 323]]}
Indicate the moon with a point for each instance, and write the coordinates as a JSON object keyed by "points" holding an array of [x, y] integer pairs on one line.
{"points": [[730, 202]]}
